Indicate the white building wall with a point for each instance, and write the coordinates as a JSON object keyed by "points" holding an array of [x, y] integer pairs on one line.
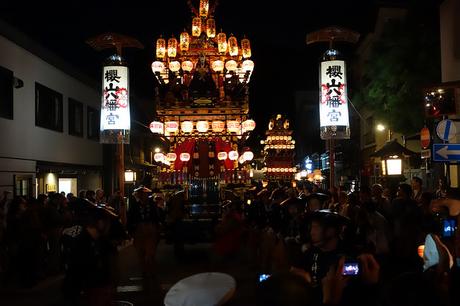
{"points": [[450, 40], [23, 143]]}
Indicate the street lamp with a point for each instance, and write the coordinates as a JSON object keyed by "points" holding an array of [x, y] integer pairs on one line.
{"points": [[380, 127]]}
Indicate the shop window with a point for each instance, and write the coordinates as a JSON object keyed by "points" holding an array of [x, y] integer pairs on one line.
{"points": [[23, 186], [75, 118], [93, 123], [6, 93], [48, 108]]}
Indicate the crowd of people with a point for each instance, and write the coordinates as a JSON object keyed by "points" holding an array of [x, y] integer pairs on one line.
{"points": [[402, 247], [309, 243]]}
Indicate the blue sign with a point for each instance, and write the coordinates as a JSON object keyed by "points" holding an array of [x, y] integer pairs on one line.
{"points": [[445, 152], [446, 130]]}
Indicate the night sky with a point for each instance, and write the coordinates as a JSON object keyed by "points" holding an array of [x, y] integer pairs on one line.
{"points": [[277, 30]]}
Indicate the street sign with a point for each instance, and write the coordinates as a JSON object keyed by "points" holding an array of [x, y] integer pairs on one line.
{"points": [[446, 130], [425, 138], [446, 152], [425, 153]]}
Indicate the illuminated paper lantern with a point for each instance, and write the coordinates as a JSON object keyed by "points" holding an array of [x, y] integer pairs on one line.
{"points": [[248, 125], [158, 66], [233, 155], [187, 66], [196, 27], [218, 126], [211, 28], [204, 8], [184, 41], [333, 104], [161, 48], [174, 66], [156, 127], [222, 155], [231, 65], [115, 116], [233, 126], [171, 127], [159, 157], [248, 155], [246, 48], [217, 66], [185, 157], [171, 157], [222, 43], [232, 46], [248, 65], [172, 47], [186, 126], [202, 126]]}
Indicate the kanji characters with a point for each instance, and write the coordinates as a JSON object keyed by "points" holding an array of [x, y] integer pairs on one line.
{"points": [[111, 118], [334, 71], [334, 115], [112, 76]]}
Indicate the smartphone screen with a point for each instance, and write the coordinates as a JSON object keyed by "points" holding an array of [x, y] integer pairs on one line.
{"points": [[263, 277], [448, 227], [350, 268]]}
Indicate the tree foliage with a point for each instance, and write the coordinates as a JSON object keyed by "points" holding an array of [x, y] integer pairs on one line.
{"points": [[401, 62]]}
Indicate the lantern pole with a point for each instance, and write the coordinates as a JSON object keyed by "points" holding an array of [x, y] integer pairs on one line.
{"points": [[331, 35], [117, 41]]}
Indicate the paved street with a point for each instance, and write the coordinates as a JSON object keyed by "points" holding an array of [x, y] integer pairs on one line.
{"points": [[198, 259]]}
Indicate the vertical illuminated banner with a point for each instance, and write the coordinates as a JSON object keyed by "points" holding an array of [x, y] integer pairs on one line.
{"points": [[115, 116], [333, 106]]}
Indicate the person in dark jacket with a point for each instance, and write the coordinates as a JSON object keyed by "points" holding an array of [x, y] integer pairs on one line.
{"points": [[88, 279], [143, 226]]}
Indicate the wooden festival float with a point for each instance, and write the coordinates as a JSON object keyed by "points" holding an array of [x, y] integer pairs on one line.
{"points": [[202, 107]]}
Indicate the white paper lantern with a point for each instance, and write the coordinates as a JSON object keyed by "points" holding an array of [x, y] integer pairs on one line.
{"points": [[233, 155], [233, 126], [218, 66], [159, 157], [222, 155], [185, 157], [174, 66], [248, 65], [248, 125], [248, 155], [156, 127], [187, 66], [186, 126], [231, 65], [202, 126], [218, 126], [171, 157], [158, 66], [171, 127]]}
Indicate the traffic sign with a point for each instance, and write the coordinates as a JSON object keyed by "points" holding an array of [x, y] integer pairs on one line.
{"points": [[446, 152], [425, 138], [446, 130]]}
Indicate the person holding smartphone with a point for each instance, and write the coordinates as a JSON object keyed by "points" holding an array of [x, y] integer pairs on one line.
{"points": [[327, 248]]}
